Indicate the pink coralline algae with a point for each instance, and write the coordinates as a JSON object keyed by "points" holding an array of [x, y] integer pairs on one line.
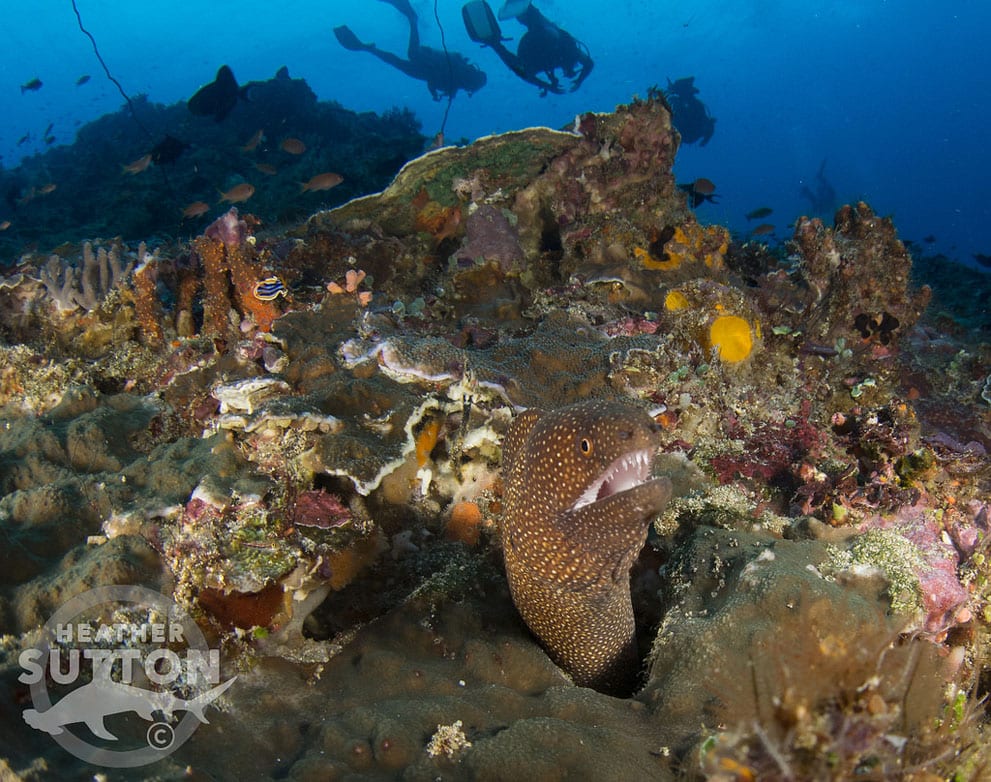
{"points": [[491, 237], [936, 569], [629, 327], [774, 452], [970, 533], [200, 511], [320, 509], [228, 228]]}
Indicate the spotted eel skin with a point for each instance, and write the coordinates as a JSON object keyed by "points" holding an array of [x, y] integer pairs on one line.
{"points": [[578, 502]]}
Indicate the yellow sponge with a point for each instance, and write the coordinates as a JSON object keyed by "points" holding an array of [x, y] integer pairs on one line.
{"points": [[731, 335]]}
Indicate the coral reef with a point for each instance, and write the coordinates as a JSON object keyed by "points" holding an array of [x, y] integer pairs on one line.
{"points": [[98, 274], [797, 676], [296, 430], [849, 291], [163, 201], [148, 309], [226, 252]]}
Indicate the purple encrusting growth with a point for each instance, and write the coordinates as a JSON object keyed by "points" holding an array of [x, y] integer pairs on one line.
{"points": [[940, 589], [490, 236]]}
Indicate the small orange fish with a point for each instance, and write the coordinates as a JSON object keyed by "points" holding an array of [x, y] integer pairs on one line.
{"points": [[759, 212], [238, 193], [762, 230], [265, 168], [46, 189], [254, 141], [139, 165], [323, 181], [195, 209], [4, 225], [293, 146]]}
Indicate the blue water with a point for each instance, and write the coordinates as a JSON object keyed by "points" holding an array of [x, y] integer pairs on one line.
{"points": [[892, 95]]}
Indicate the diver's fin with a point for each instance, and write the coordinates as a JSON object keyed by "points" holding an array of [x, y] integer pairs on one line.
{"points": [[403, 7], [481, 23], [513, 9], [349, 40]]}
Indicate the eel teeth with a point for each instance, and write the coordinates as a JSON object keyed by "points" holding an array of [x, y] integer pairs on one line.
{"points": [[626, 472]]}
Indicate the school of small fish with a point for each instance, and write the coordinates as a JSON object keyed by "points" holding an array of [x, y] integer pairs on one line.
{"points": [[215, 100]]}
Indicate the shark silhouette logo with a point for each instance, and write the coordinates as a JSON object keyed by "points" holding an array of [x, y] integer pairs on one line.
{"points": [[101, 698], [150, 641]]}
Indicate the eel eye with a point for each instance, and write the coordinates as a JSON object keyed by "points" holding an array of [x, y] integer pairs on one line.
{"points": [[586, 446]]}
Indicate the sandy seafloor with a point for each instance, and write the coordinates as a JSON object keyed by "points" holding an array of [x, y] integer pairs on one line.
{"points": [[316, 477]]}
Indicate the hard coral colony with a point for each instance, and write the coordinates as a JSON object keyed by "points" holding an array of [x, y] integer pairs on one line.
{"points": [[360, 448]]}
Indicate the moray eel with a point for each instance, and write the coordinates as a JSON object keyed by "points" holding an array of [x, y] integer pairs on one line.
{"points": [[578, 502]]}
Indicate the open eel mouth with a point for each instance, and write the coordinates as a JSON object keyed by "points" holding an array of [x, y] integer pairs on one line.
{"points": [[623, 473]]}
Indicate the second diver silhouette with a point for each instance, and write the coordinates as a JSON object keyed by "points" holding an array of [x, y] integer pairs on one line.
{"points": [[689, 115], [822, 200], [544, 48], [444, 72]]}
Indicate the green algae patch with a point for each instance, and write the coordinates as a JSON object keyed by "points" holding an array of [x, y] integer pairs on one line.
{"points": [[508, 161], [892, 555], [254, 554]]}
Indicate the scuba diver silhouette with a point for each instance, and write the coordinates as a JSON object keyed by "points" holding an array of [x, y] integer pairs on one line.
{"points": [[444, 72], [543, 49], [690, 116], [822, 200]]}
